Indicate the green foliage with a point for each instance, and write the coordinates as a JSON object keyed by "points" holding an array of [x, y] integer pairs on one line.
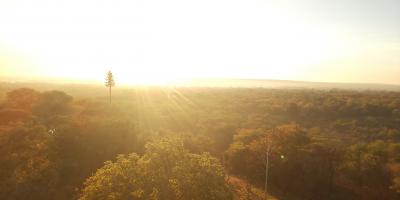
{"points": [[325, 144], [27, 170], [165, 171], [365, 166]]}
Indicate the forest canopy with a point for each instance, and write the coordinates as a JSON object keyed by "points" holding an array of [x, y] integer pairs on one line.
{"points": [[199, 143]]}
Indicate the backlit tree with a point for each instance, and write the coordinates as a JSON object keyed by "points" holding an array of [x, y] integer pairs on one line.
{"points": [[110, 82]]}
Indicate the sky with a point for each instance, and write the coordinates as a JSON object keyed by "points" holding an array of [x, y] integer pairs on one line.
{"points": [[157, 41]]}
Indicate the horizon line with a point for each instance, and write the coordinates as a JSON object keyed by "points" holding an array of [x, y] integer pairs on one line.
{"points": [[72, 81]]}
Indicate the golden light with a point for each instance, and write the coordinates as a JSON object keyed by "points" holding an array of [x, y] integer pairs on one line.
{"points": [[155, 42]]}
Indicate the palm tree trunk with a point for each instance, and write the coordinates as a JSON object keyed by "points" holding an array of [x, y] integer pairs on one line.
{"points": [[110, 93]]}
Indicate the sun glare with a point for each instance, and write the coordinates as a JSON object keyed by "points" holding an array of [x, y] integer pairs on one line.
{"points": [[276, 45], [155, 42]]}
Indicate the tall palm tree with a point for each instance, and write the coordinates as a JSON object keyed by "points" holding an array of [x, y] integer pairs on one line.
{"points": [[110, 82]]}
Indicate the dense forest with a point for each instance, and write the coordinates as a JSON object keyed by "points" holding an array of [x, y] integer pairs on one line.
{"points": [[199, 143]]}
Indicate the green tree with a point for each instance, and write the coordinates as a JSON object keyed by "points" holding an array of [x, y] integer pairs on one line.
{"points": [[365, 165], [27, 170], [166, 171]]}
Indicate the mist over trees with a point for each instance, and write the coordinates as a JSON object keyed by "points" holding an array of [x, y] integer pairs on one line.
{"points": [[200, 143]]}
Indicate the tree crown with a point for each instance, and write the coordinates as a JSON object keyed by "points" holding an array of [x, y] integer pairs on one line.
{"points": [[109, 79]]}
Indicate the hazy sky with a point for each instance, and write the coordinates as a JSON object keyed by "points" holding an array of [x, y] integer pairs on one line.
{"points": [[149, 41]]}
